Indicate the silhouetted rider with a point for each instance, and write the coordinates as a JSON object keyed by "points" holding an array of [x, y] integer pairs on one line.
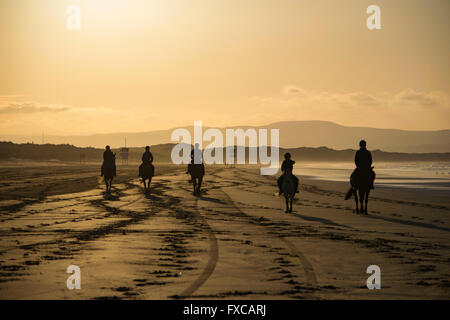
{"points": [[108, 157], [363, 157], [196, 155], [363, 161], [196, 159], [287, 166], [147, 156], [147, 159]]}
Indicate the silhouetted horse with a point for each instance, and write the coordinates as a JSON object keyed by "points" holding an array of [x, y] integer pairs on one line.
{"points": [[360, 183], [108, 173], [197, 172], [288, 189], [146, 172]]}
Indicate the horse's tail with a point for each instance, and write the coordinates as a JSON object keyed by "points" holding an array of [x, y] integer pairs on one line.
{"points": [[349, 193]]}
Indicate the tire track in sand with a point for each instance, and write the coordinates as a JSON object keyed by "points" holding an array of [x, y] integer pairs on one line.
{"points": [[212, 260], [209, 268], [307, 267]]}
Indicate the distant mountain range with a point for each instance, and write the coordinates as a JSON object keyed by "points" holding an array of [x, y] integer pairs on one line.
{"points": [[293, 134], [161, 153]]}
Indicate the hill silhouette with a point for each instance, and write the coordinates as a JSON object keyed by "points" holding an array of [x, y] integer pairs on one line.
{"points": [[293, 134], [65, 152]]}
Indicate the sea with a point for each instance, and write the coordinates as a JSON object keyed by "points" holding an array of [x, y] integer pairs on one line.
{"points": [[417, 175]]}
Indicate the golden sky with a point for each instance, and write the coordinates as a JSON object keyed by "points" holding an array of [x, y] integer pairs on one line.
{"points": [[140, 65]]}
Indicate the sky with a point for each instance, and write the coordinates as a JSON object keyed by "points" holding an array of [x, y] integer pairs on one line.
{"points": [[142, 65]]}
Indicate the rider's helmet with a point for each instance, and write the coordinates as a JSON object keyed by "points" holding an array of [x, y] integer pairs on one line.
{"points": [[362, 143], [147, 148], [108, 148], [287, 155]]}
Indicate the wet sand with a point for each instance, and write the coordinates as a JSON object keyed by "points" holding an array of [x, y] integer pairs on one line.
{"points": [[233, 242]]}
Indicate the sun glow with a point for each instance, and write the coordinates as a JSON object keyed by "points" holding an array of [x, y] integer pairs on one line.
{"points": [[166, 63]]}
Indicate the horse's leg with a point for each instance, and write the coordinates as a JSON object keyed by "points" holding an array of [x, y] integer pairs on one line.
{"points": [[149, 181], [355, 192], [292, 199], [199, 185], [194, 183], [287, 203], [367, 200], [361, 199]]}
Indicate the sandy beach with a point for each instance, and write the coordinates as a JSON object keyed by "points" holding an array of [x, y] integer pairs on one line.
{"points": [[235, 241]]}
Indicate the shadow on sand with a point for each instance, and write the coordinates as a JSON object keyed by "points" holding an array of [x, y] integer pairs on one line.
{"points": [[212, 200], [410, 223], [152, 197], [110, 197], [321, 220]]}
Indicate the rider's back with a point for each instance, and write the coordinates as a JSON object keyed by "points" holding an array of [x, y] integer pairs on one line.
{"points": [[147, 157], [287, 165], [108, 156], [363, 158], [196, 156]]}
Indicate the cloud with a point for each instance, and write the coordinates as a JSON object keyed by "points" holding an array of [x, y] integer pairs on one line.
{"points": [[420, 98], [364, 99], [406, 97], [404, 109], [31, 107], [31, 118], [10, 97], [293, 90]]}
